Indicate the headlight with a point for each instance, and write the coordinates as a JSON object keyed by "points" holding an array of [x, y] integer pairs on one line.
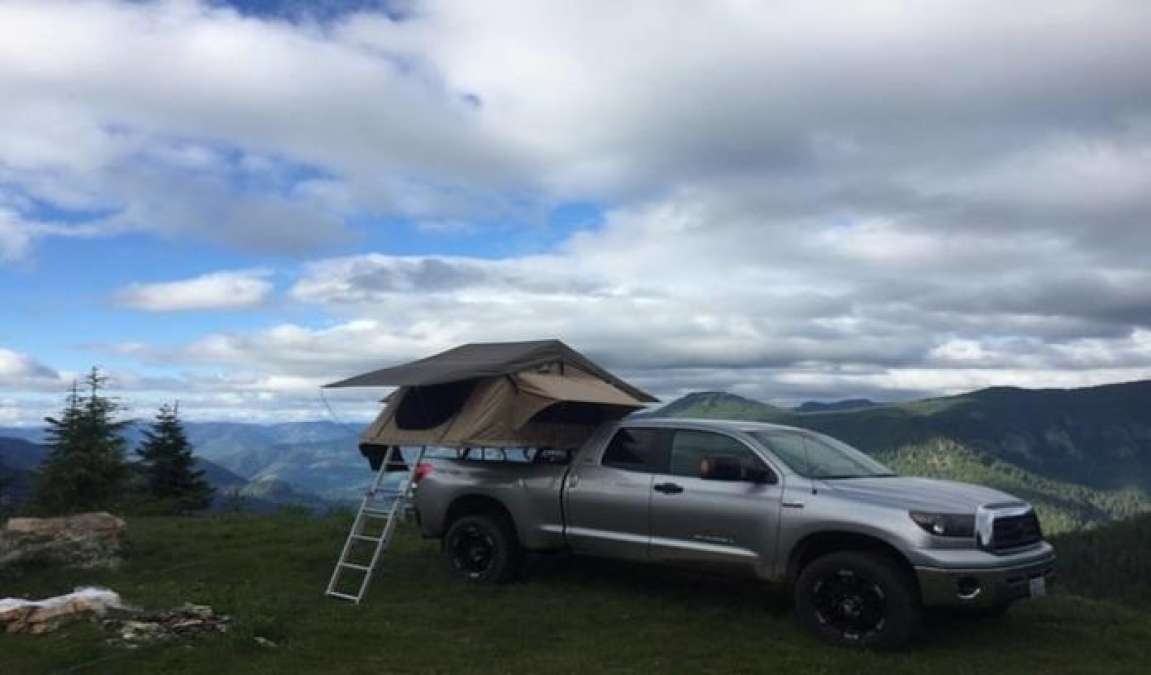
{"points": [[946, 524]]}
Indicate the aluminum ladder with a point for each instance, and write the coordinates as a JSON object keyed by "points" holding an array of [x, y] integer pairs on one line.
{"points": [[382, 507]]}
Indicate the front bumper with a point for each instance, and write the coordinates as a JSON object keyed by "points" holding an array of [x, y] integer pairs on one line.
{"points": [[983, 586]]}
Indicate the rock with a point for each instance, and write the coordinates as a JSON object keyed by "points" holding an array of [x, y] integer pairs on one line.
{"points": [[97, 523], [42, 616], [140, 631], [14, 613], [84, 540], [187, 620], [200, 611], [131, 626]]}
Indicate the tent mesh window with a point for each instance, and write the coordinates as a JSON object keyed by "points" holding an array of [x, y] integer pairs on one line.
{"points": [[429, 406]]}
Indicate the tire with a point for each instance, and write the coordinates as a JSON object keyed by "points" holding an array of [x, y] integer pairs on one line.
{"points": [[483, 549], [858, 599]]}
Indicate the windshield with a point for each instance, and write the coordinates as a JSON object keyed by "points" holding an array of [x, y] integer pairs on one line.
{"points": [[813, 455]]}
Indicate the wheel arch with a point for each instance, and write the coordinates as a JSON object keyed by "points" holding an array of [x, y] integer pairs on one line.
{"points": [[472, 504], [818, 544]]}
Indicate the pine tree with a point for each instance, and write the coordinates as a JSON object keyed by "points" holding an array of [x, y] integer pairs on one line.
{"points": [[168, 466], [85, 467]]}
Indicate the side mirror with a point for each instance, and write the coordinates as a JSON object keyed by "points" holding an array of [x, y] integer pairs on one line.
{"points": [[762, 476]]}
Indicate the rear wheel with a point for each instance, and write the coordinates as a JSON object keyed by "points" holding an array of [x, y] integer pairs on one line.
{"points": [[857, 599], [483, 549]]}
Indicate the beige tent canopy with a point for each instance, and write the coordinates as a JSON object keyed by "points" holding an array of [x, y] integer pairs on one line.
{"points": [[505, 394]]}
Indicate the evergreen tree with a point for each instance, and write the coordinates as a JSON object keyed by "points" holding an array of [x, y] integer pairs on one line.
{"points": [[85, 467], [168, 466]]}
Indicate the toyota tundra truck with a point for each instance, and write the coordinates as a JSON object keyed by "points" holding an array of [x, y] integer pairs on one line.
{"points": [[863, 550]]}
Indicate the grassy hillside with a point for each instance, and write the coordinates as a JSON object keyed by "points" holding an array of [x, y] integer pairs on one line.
{"points": [[1062, 506], [571, 615], [1113, 561]]}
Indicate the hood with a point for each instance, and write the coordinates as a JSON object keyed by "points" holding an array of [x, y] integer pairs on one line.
{"points": [[920, 494]]}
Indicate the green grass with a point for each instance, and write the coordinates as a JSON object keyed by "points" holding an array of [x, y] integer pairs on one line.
{"points": [[571, 615], [1110, 561]]}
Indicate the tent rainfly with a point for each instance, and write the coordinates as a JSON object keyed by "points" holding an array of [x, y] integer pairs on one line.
{"points": [[504, 394]]}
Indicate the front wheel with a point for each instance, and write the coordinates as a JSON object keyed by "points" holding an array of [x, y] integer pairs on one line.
{"points": [[482, 549], [857, 599]]}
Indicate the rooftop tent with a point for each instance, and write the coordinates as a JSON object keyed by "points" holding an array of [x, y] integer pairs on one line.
{"points": [[504, 394]]}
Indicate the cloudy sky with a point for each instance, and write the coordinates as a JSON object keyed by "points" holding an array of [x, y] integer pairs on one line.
{"points": [[231, 203]]}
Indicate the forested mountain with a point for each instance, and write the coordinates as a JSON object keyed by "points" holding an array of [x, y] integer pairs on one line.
{"points": [[19, 458], [1083, 454], [833, 406], [1097, 436], [307, 463]]}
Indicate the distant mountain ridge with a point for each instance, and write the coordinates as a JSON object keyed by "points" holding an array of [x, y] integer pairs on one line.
{"points": [[20, 458], [716, 405], [1085, 454], [211, 438], [835, 406]]}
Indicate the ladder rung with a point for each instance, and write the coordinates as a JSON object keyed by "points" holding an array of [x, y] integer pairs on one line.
{"points": [[376, 512], [364, 538], [362, 568], [345, 596]]}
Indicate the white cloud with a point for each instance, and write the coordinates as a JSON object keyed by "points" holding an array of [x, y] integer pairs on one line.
{"points": [[20, 371], [801, 197], [461, 112], [217, 290]]}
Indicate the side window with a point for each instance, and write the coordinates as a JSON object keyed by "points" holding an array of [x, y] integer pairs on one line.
{"points": [[637, 450], [689, 447]]}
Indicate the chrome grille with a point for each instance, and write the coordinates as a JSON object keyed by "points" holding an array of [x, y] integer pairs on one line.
{"points": [[1015, 531]]}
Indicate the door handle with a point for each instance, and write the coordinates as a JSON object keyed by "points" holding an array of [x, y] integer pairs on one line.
{"points": [[668, 488]]}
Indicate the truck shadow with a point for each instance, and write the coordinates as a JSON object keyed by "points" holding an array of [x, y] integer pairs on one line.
{"points": [[691, 587], [698, 590]]}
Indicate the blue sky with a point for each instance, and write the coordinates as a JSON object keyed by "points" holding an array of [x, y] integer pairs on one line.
{"points": [[66, 294], [230, 204]]}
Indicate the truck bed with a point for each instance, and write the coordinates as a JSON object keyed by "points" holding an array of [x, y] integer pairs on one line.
{"points": [[532, 491]]}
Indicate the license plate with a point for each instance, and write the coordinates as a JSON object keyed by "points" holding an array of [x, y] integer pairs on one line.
{"points": [[1038, 587]]}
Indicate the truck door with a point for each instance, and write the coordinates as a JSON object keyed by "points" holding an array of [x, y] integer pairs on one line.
{"points": [[607, 498], [715, 523]]}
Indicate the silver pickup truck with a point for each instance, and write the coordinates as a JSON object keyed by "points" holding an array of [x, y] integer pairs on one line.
{"points": [[864, 550]]}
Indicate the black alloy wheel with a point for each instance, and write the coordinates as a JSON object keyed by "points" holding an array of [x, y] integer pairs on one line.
{"points": [[858, 599], [483, 548], [852, 605], [472, 550]]}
